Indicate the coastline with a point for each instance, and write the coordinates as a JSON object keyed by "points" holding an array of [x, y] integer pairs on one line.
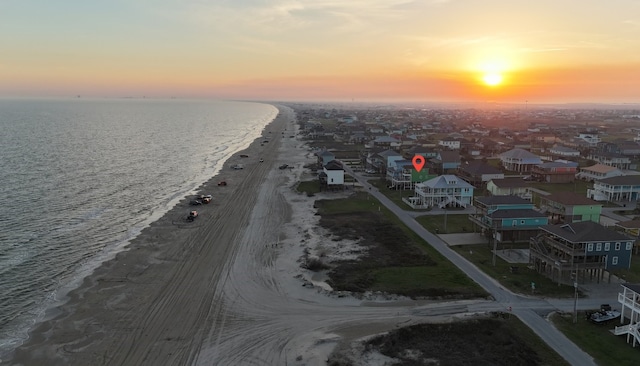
{"points": [[113, 297]]}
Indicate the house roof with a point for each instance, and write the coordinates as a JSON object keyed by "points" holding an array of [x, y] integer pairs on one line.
{"points": [[446, 181], [622, 180], [333, 165], [570, 199], [522, 155], [502, 200], [584, 231], [558, 164], [402, 163], [449, 156], [631, 224], [509, 183], [520, 213], [633, 287], [479, 167], [600, 168], [385, 139], [388, 153], [562, 148]]}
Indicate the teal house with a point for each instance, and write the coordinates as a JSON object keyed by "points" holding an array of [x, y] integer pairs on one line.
{"points": [[508, 218]]}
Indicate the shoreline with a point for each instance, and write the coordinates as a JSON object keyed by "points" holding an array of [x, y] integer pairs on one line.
{"points": [[52, 339]]}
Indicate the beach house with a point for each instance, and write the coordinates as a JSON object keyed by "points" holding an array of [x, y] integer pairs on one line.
{"points": [[616, 189], [442, 191], [332, 175], [519, 160], [568, 252], [508, 186], [630, 301], [478, 173], [559, 171], [511, 218], [568, 207], [598, 171]]}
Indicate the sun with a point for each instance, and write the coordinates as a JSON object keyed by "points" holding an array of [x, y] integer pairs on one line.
{"points": [[492, 79]]}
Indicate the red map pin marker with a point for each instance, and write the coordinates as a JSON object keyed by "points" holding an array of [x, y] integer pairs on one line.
{"points": [[418, 162]]}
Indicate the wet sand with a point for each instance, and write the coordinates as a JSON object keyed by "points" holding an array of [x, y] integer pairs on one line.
{"points": [[156, 302]]}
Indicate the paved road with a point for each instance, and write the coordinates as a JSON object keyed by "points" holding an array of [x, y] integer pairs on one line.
{"points": [[525, 308]]}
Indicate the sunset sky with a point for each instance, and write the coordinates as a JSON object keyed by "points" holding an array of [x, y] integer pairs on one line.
{"points": [[423, 50]]}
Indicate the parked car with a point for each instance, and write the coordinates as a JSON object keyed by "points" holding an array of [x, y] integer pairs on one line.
{"points": [[370, 171], [283, 166], [192, 215]]}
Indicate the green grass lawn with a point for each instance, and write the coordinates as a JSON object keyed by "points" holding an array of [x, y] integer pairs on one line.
{"points": [[411, 279], [597, 340], [520, 282], [309, 187], [443, 275], [455, 223], [394, 195]]}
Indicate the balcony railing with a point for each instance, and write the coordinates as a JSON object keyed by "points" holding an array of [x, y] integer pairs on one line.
{"points": [[628, 302], [564, 247]]}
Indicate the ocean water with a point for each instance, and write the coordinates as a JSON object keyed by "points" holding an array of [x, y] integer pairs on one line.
{"points": [[80, 178]]}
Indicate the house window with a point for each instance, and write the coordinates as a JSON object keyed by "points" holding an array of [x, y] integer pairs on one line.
{"points": [[614, 260], [598, 247], [617, 246], [607, 246], [629, 245], [590, 247]]}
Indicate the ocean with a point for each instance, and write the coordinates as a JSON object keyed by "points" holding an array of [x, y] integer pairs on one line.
{"points": [[81, 178]]}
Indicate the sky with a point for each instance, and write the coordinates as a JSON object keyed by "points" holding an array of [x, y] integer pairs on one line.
{"points": [[543, 51]]}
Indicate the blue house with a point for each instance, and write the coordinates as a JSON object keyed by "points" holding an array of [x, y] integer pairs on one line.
{"points": [[510, 218], [581, 248]]}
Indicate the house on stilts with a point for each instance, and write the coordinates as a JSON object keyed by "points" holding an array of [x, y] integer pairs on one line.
{"points": [[630, 301]]}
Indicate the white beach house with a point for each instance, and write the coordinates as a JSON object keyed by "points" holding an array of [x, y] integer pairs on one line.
{"points": [[442, 191]]}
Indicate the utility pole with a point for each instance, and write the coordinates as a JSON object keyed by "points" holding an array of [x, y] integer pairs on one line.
{"points": [[495, 243], [575, 301], [445, 220]]}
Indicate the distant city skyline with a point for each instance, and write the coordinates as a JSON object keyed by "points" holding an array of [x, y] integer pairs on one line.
{"points": [[494, 51]]}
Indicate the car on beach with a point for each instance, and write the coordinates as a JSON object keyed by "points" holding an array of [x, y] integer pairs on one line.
{"points": [[237, 166], [261, 160], [244, 155], [192, 215], [222, 183], [283, 166]]}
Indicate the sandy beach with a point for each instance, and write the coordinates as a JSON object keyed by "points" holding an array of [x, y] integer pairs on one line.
{"points": [[158, 302]]}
